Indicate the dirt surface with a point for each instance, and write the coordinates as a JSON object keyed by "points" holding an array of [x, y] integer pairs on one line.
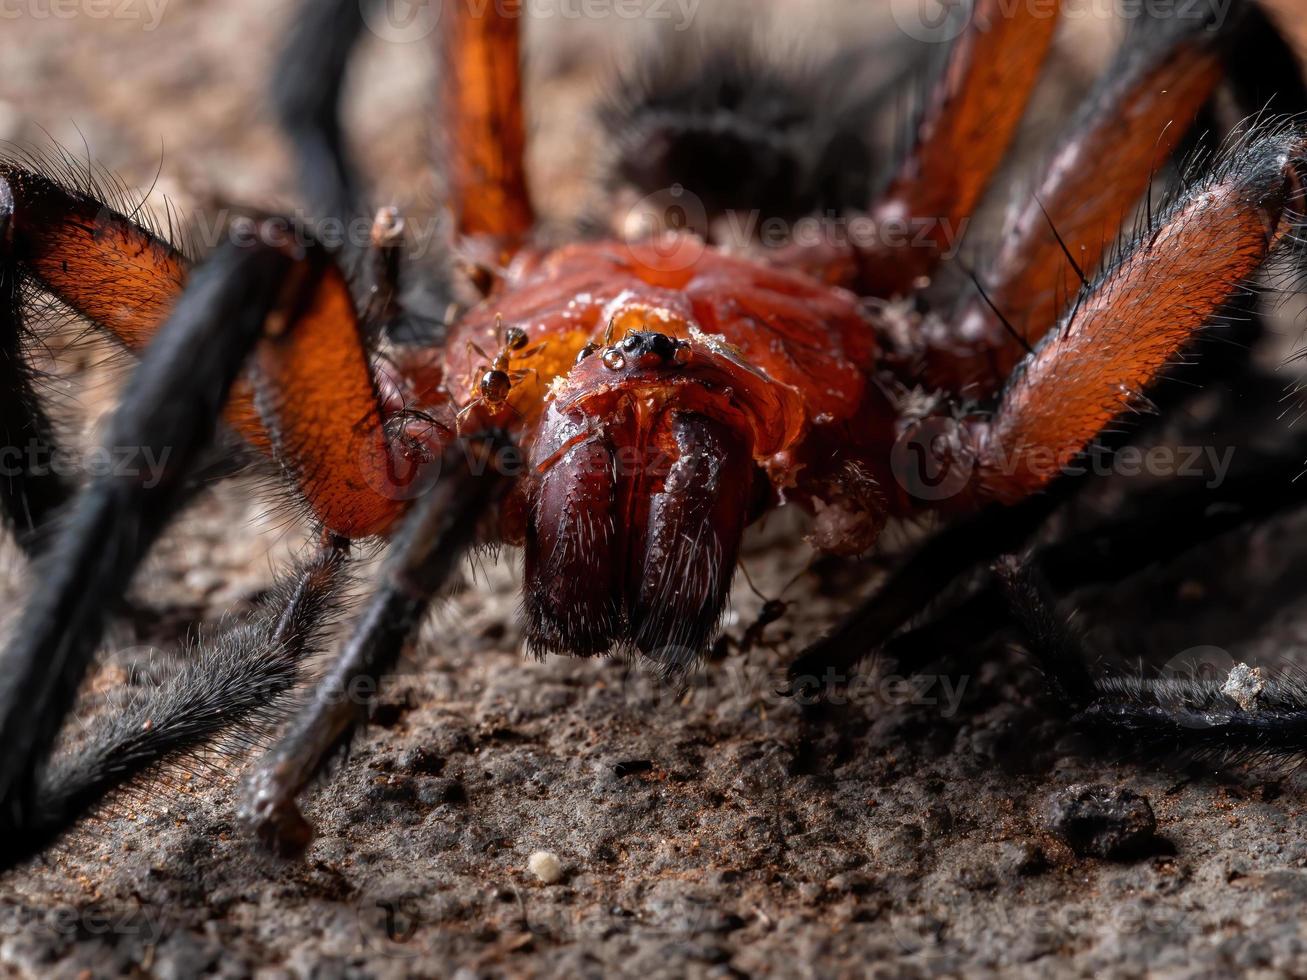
{"points": [[710, 831]]}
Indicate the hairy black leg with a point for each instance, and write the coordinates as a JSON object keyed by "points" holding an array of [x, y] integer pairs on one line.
{"points": [[433, 540], [1262, 70], [306, 93], [170, 410], [1244, 715], [1158, 528], [934, 565], [29, 494], [230, 685]]}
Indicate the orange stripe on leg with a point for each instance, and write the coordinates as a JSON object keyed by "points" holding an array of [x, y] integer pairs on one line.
{"points": [[1094, 179], [973, 115], [1137, 317], [109, 269], [315, 393], [482, 109]]}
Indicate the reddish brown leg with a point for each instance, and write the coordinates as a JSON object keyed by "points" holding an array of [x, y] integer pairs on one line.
{"points": [[1129, 127], [972, 117], [1137, 317], [244, 298], [318, 402], [317, 405], [117, 274], [1127, 328], [482, 118], [111, 270]]}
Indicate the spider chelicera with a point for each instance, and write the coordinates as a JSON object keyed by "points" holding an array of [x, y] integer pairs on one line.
{"points": [[623, 406]]}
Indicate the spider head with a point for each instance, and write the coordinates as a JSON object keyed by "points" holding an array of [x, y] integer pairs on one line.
{"points": [[644, 476]]}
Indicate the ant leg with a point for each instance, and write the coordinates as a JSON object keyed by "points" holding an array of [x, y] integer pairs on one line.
{"points": [[1137, 115], [482, 117], [425, 552], [971, 118], [232, 682], [1119, 338], [297, 304]]}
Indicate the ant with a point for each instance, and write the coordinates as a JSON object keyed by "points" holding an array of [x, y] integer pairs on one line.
{"points": [[496, 383]]}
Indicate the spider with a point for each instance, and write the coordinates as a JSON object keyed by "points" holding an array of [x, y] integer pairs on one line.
{"points": [[668, 388]]}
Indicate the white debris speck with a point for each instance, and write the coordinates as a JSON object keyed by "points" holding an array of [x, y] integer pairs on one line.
{"points": [[1244, 686], [546, 866]]}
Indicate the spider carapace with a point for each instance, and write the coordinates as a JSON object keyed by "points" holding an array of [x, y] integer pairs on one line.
{"points": [[676, 393], [624, 406]]}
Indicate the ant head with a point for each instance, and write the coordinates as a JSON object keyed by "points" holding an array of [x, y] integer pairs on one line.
{"points": [[495, 387]]}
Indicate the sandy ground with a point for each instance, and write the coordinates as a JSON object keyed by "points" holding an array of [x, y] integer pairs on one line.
{"points": [[710, 832]]}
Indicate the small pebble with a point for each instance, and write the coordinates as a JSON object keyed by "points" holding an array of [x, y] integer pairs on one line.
{"points": [[1099, 821], [1244, 686], [546, 866]]}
